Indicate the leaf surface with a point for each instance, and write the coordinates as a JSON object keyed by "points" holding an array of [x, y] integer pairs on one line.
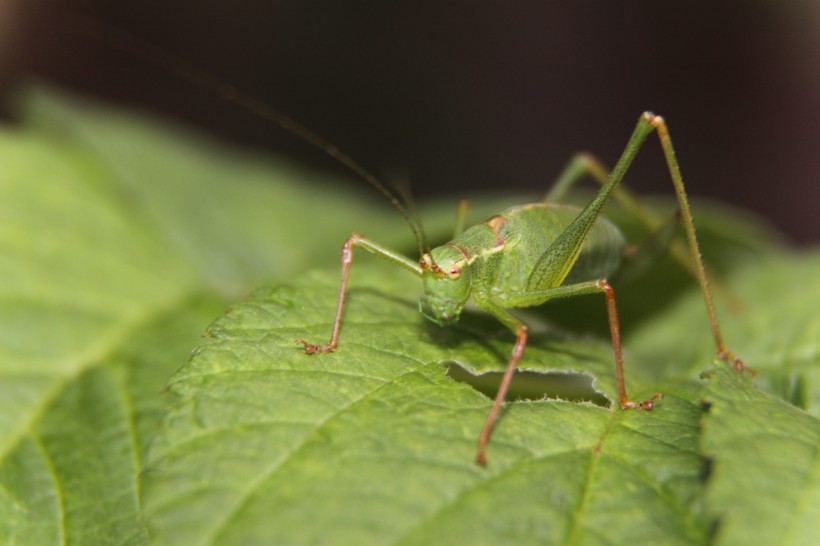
{"points": [[374, 444], [120, 242], [121, 239], [767, 465]]}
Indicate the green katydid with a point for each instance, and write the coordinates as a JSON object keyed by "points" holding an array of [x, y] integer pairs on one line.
{"points": [[526, 256], [522, 257]]}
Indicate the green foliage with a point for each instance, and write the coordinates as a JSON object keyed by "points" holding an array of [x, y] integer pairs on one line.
{"points": [[764, 449], [121, 240]]}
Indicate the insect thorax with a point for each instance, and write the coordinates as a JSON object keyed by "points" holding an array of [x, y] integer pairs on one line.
{"points": [[507, 247]]}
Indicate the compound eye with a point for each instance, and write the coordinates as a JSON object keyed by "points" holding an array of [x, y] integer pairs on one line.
{"points": [[454, 272]]}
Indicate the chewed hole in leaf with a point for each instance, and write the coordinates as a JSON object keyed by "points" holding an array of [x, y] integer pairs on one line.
{"points": [[527, 385]]}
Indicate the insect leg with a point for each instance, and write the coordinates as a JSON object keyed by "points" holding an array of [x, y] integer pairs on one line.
{"points": [[658, 124], [615, 333], [355, 240], [577, 168], [536, 297], [554, 265], [520, 331], [585, 164]]}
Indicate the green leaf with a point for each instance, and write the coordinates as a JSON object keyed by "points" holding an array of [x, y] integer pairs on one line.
{"points": [[776, 329], [374, 444], [120, 242], [767, 465]]}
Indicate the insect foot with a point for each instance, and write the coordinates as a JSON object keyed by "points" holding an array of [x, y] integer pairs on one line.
{"points": [[313, 349], [736, 363], [645, 405]]}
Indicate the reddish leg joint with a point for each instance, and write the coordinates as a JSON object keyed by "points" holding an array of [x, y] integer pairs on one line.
{"points": [[734, 362]]}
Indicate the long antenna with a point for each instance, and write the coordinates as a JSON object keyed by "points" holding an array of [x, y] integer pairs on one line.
{"points": [[120, 39]]}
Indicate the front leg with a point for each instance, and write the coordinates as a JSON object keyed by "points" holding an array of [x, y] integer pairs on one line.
{"points": [[355, 240]]}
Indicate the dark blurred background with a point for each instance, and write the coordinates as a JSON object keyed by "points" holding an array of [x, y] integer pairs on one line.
{"points": [[469, 95]]}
